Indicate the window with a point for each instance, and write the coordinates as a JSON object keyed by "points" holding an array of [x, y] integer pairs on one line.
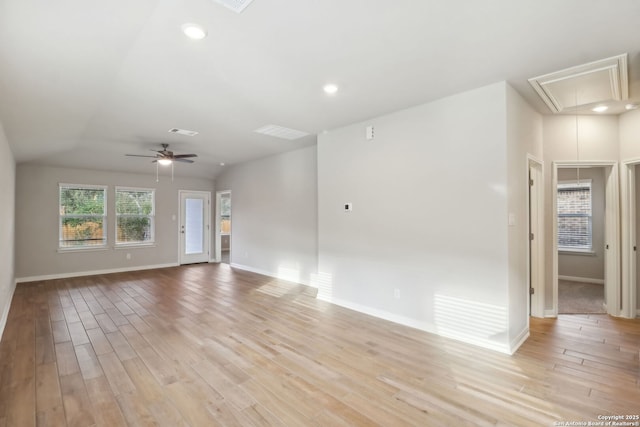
{"points": [[135, 210], [574, 216], [82, 216], [225, 214]]}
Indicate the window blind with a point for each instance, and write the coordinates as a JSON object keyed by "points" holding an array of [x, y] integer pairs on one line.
{"points": [[135, 215], [82, 213], [575, 216]]}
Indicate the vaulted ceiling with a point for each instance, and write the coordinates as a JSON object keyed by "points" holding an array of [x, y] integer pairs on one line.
{"points": [[84, 82]]}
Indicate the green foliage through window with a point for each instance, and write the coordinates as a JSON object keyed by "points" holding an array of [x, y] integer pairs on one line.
{"points": [[82, 216], [134, 216]]}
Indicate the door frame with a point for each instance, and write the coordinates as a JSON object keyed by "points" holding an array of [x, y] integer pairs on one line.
{"points": [[612, 231], [207, 217], [629, 218], [535, 247], [218, 237]]}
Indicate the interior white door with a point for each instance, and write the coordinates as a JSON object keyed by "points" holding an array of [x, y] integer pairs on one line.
{"points": [[194, 226], [611, 236], [536, 247]]}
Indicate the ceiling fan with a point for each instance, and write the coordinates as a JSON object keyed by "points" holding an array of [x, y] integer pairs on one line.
{"points": [[166, 157]]}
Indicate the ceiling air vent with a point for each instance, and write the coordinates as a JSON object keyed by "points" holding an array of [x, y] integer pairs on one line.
{"points": [[183, 132], [281, 132], [235, 5], [585, 85]]}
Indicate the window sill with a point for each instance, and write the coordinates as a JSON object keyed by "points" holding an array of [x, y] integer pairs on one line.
{"points": [[134, 245], [86, 249], [584, 252]]}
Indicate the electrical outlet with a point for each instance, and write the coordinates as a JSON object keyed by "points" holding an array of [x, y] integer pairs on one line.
{"points": [[396, 293]]}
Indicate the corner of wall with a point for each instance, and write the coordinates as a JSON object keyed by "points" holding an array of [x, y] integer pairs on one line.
{"points": [[519, 339], [4, 314]]}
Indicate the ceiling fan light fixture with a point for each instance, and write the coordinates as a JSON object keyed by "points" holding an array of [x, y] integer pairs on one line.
{"points": [[165, 162]]}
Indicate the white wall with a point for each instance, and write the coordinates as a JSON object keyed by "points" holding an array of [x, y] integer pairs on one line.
{"points": [[598, 139], [524, 137], [630, 135], [583, 265], [7, 226], [37, 221], [274, 214], [429, 217]]}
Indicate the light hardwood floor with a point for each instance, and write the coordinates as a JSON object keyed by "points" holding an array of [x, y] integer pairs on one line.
{"points": [[205, 345]]}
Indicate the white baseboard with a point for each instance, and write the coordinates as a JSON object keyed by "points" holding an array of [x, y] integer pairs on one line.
{"points": [[299, 280], [582, 279], [93, 272], [423, 326], [519, 340], [4, 314], [550, 313]]}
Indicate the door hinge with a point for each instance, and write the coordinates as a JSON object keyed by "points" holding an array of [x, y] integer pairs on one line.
{"points": [[531, 236], [531, 182], [634, 248], [532, 291], [606, 247]]}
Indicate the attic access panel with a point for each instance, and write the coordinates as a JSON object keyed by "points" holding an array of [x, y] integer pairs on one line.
{"points": [[584, 85], [235, 5]]}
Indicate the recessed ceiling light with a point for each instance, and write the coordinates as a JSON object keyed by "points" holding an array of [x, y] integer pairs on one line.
{"points": [[194, 31], [221, 163], [165, 162], [330, 89], [631, 106], [600, 109]]}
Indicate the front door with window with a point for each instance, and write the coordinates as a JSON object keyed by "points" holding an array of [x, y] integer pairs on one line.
{"points": [[194, 226]]}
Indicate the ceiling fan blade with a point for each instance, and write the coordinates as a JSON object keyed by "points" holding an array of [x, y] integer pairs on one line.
{"points": [[182, 160], [138, 155], [184, 156]]}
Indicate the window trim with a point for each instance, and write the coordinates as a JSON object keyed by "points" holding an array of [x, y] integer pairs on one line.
{"points": [[570, 250], [148, 243], [105, 227]]}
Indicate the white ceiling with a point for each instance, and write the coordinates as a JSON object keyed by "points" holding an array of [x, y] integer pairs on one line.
{"points": [[84, 82]]}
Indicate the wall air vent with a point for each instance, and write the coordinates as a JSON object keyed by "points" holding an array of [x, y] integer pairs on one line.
{"points": [[183, 132], [235, 5], [581, 87], [281, 132]]}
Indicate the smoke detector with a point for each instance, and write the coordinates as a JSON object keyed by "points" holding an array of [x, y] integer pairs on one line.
{"points": [[235, 5]]}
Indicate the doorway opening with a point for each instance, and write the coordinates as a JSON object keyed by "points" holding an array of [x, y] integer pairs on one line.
{"points": [[586, 238], [195, 214], [581, 247], [223, 227]]}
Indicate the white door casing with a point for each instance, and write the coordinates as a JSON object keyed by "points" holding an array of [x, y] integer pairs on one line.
{"points": [[629, 243]]}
